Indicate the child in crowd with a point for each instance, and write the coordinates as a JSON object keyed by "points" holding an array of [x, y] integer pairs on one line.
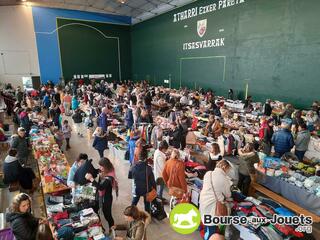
{"points": [[59, 136], [66, 129]]}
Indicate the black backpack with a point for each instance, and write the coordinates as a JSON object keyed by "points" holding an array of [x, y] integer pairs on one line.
{"points": [[157, 210]]}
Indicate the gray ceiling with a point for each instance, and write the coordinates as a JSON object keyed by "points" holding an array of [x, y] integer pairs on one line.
{"points": [[139, 10]]}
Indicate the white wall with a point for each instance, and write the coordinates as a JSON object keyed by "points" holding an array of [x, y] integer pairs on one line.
{"points": [[18, 51]]}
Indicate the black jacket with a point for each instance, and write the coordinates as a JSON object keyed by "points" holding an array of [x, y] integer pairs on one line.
{"points": [[11, 170], [176, 135], [105, 185], [139, 176], [24, 225], [77, 117], [267, 109], [87, 167]]}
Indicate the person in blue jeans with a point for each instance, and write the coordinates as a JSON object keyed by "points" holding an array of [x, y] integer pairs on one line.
{"points": [[100, 142], [141, 173]]}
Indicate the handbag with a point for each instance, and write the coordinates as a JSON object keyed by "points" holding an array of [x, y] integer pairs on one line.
{"points": [[221, 208], [150, 196], [176, 192]]}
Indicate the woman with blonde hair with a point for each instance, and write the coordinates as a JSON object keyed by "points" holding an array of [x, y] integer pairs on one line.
{"points": [[216, 188], [100, 142], [23, 224]]}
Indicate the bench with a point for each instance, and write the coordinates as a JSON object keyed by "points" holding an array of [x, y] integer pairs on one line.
{"points": [[283, 201]]}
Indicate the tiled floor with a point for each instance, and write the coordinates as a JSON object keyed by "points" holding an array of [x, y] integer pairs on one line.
{"points": [[156, 230]]}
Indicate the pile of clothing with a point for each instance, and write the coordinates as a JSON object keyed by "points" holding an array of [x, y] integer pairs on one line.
{"points": [[263, 207], [84, 192], [74, 221]]}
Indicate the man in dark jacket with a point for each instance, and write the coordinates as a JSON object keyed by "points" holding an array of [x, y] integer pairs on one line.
{"points": [[21, 143], [267, 109], [77, 119], [175, 135], [183, 125], [282, 140], [141, 173]]}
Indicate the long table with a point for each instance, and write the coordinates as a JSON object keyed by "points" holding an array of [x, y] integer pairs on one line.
{"points": [[297, 195]]}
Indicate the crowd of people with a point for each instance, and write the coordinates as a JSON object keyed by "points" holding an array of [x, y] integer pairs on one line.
{"points": [[172, 114]]}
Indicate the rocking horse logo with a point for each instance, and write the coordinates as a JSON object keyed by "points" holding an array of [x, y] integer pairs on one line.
{"points": [[185, 218]]}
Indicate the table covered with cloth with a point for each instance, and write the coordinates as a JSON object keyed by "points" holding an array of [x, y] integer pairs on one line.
{"points": [[299, 196]]}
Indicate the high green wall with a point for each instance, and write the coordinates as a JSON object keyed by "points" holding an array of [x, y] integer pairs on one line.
{"points": [[273, 45], [85, 48]]}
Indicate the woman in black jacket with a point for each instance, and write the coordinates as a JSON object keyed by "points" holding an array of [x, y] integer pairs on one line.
{"points": [[23, 224], [14, 172], [175, 135], [104, 186]]}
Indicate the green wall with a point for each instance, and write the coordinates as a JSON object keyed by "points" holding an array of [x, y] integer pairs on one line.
{"points": [[273, 45], [85, 48]]}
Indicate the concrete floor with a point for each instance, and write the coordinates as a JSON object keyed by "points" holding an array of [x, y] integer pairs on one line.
{"points": [[157, 230]]}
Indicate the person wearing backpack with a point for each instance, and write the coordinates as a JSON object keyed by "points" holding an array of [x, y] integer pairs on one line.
{"points": [[104, 186]]}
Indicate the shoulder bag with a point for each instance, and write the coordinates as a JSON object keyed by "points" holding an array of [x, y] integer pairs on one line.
{"points": [[221, 208], [150, 196]]}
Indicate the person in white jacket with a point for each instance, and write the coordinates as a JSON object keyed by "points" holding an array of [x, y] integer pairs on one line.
{"points": [[159, 161], [215, 183]]}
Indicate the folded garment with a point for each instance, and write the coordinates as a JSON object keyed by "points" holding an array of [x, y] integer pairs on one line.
{"points": [[245, 204], [60, 215], [298, 184], [269, 202], [94, 231], [100, 237], [270, 233], [238, 196], [63, 222], [55, 208], [58, 199], [253, 200], [86, 212], [80, 229], [265, 212], [308, 183], [65, 233], [284, 212]]}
